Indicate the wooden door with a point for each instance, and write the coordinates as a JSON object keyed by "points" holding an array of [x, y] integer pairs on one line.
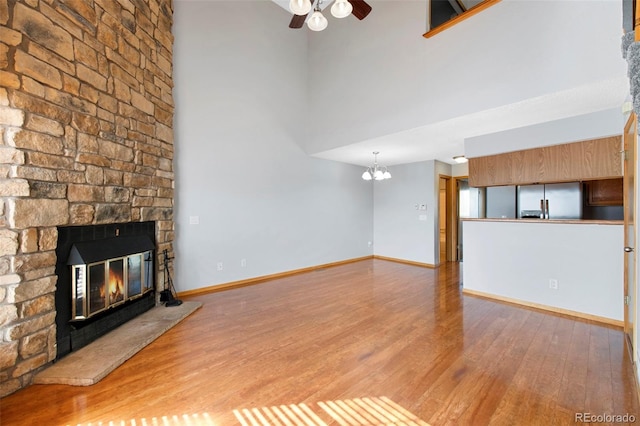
{"points": [[630, 290], [442, 219]]}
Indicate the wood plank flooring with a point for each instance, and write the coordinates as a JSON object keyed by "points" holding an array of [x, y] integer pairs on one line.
{"points": [[372, 342]]}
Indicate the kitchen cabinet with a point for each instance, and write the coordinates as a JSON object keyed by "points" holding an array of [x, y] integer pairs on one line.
{"points": [[608, 192], [579, 161]]}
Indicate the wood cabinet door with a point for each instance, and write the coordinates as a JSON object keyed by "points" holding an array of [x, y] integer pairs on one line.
{"points": [[578, 161], [607, 192]]}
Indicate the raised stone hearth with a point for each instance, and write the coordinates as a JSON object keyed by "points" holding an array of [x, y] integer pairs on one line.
{"points": [[93, 362]]}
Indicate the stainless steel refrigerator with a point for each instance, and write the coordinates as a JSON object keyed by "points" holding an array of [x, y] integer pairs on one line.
{"points": [[550, 201]]}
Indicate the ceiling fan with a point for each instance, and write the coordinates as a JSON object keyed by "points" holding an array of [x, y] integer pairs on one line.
{"points": [[340, 9]]}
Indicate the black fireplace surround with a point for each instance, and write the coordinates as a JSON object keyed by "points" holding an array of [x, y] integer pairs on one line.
{"points": [[88, 245]]}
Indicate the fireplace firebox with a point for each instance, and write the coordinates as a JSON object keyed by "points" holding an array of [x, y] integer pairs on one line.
{"points": [[106, 276]]}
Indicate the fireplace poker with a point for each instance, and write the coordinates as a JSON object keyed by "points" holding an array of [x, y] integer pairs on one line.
{"points": [[167, 295]]}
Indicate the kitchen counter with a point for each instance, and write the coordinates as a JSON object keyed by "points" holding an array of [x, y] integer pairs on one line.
{"points": [[570, 266], [559, 221]]}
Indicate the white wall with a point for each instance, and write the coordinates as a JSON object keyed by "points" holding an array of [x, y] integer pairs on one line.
{"points": [[400, 230], [460, 170], [241, 109], [390, 79], [583, 127], [517, 260]]}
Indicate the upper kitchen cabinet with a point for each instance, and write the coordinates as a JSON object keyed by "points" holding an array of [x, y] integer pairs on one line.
{"points": [[606, 192], [578, 161]]}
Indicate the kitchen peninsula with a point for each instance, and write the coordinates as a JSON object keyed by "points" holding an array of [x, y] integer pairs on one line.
{"points": [[567, 266], [548, 256]]}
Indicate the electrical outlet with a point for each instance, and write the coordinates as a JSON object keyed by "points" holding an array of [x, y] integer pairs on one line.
{"points": [[220, 266], [243, 263], [553, 284]]}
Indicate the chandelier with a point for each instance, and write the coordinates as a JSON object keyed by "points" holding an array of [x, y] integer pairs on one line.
{"points": [[317, 21], [376, 172]]}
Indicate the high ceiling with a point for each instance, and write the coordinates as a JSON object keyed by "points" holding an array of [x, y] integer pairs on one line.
{"points": [[443, 140]]}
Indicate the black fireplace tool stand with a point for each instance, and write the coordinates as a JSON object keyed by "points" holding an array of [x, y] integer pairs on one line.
{"points": [[167, 295]]}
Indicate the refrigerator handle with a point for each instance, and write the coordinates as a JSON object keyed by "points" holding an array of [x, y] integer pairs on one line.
{"points": [[542, 215], [546, 209]]}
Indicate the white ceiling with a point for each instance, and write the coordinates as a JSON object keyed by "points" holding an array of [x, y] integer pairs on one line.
{"points": [[445, 139]]}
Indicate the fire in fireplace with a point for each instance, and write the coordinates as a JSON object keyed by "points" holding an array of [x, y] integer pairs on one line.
{"points": [[106, 276]]}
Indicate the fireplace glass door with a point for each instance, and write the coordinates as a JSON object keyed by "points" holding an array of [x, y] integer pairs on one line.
{"points": [[116, 281], [97, 282], [147, 279], [134, 275], [102, 285]]}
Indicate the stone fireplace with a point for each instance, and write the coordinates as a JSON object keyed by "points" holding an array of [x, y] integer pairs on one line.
{"points": [[86, 140]]}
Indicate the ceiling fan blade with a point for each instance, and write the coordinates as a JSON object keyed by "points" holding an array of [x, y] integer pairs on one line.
{"points": [[360, 8], [297, 21]]}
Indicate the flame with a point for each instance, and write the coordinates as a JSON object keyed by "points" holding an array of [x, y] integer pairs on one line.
{"points": [[116, 287]]}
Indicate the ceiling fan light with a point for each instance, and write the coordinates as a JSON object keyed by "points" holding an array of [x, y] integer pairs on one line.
{"points": [[366, 175], [300, 7], [317, 21], [341, 9]]}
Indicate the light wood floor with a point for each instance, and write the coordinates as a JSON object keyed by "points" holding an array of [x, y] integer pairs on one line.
{"points": [[340, 344]]}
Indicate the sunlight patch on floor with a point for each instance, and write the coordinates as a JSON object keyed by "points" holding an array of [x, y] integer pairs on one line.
{"points": [[185, 420], [350, 412], [288, 415]]}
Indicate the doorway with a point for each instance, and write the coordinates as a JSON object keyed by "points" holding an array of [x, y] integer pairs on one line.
{"points": [[468, 204], [446, 220]]}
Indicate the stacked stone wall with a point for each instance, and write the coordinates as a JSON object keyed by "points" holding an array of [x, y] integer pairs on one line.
{"points": [[86, 137], [631, 52]]}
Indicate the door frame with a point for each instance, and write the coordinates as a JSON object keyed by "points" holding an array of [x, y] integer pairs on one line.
{"points": [[630, 326]]}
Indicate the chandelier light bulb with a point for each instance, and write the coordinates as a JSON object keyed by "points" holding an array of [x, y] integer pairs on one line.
{"points": [[300, 7], [341, 9], [317, 21], [386, 175], [378, 175], [366, 175]]}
